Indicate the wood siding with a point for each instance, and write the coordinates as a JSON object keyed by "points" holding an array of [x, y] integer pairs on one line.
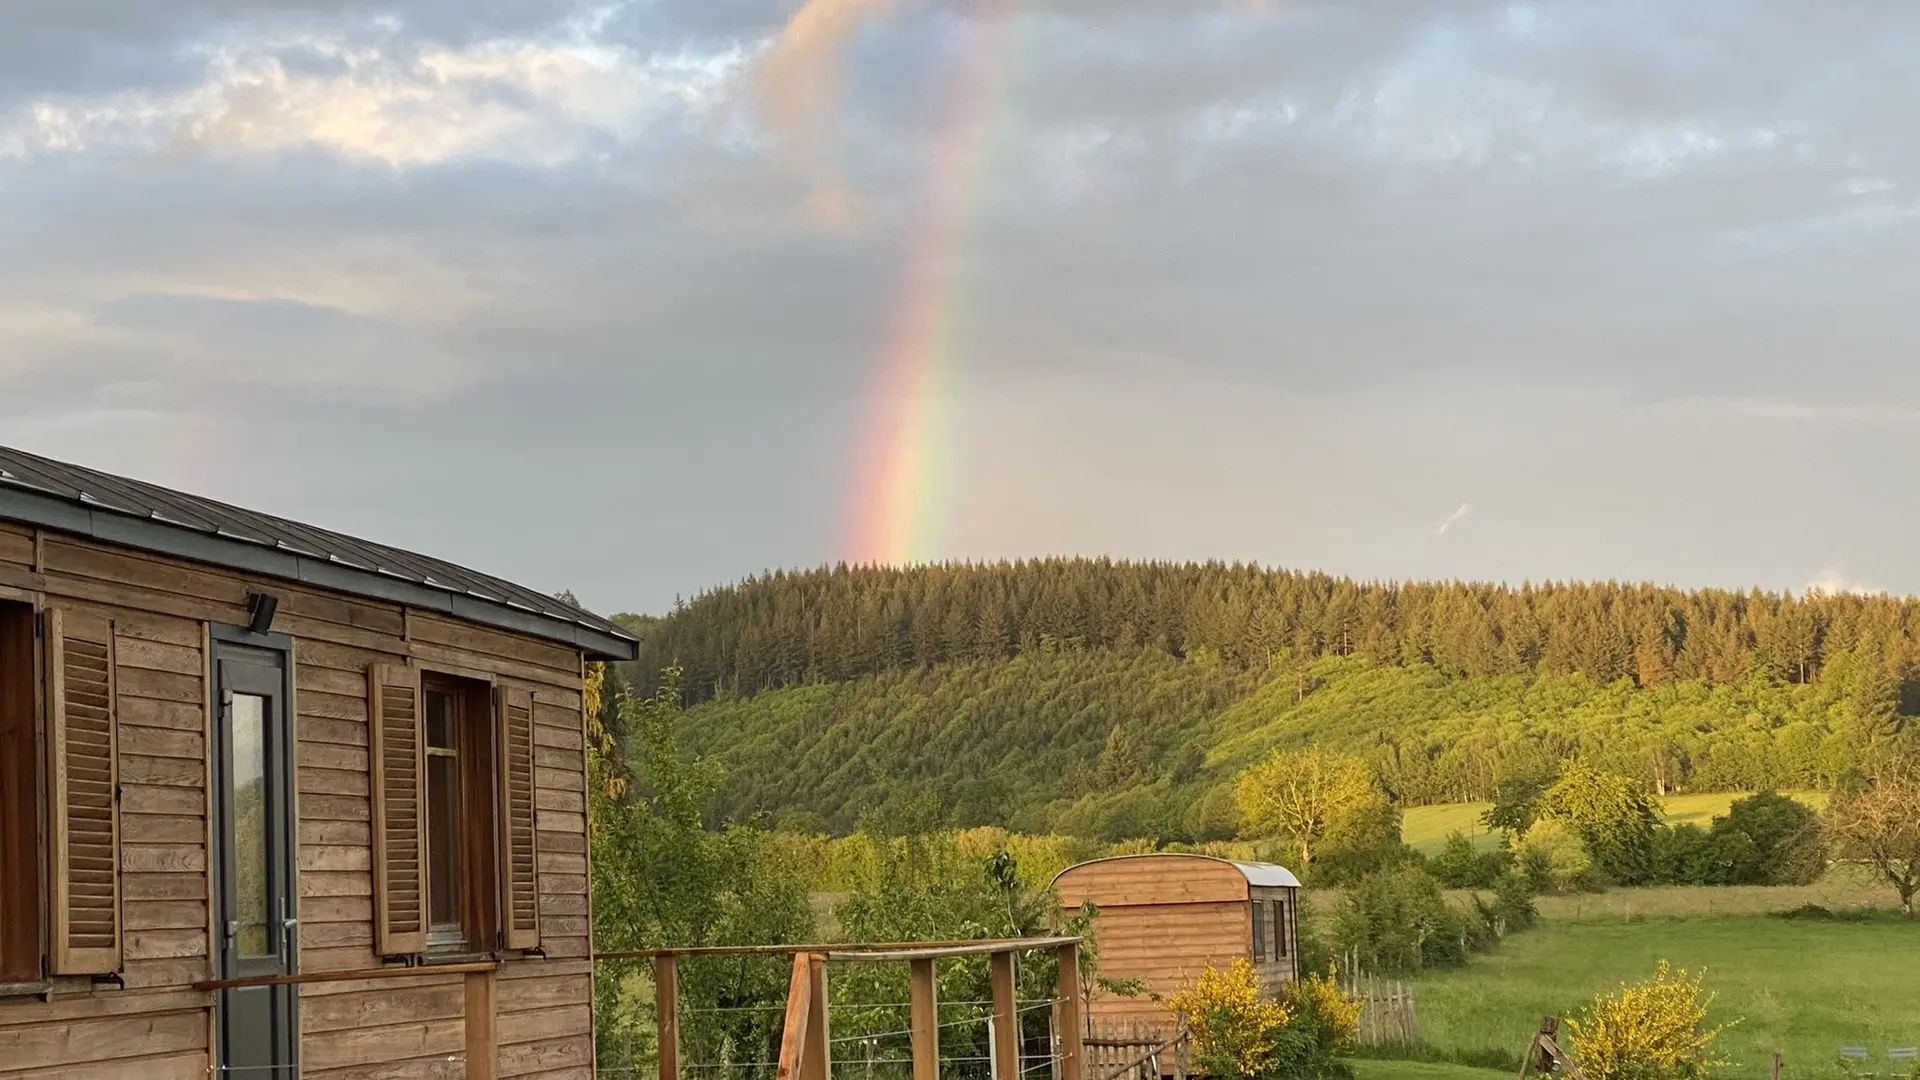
{"points": [[158, 1029], [1165, 919]]}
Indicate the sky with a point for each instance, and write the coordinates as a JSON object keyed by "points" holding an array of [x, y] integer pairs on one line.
{"points": [[639, 298]]}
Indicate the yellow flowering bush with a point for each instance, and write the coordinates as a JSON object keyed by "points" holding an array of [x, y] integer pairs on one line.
{"points": [[1653, 1030], [1334, 1014], [1235, 1031]]}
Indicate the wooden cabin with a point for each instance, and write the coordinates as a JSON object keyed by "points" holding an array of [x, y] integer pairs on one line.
{"points": [[237, 749], [1165, 918]]}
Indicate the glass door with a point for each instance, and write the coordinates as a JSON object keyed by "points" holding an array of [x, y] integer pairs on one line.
{"points": [[257, 931]]}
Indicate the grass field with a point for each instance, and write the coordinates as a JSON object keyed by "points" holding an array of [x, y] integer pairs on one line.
{"points": [[1368, 1069], [1426, 828], [1803, 988]]}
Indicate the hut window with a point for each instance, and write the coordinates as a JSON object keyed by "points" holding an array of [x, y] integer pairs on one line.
{"points": [[1279, 929], [1259, 931], [20, 913], [459, 825]]}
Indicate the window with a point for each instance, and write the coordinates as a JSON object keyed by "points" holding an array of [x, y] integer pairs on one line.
{"points": [[455, 855], [20, 911], [1259, 932], [1280, 929], [461, 882]]}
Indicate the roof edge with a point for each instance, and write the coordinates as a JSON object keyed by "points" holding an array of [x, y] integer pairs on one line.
{"points": [[1244, 868], [126, 530]]}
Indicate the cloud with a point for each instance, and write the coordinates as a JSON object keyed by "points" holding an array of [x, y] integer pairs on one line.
{"points": [[1455, 518], [1833, 580]]}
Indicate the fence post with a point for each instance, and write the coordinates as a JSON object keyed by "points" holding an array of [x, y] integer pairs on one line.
{"points": [[1006, 1019], [481, 1044], [817, 1064], [1776, 1065], [1067, 1019], [924, 1002], [666, 1013]]}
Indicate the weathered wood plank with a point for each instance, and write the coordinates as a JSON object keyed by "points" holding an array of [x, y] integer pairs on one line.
{"points": [[186, 1065], [523, 1059], [321, 883], [163, 743], [559, 780], [328, 756], [572, 801], [163, 858], [372, 1045], [68, 557], [567, 738], [553, 862], [166, 915], [140, 974], [544, 992], [336, 935], [318, 729], [536, 1025], [441, 1067], [321, 832], [333, 706], [329, 909], [173, 715], [332, 782], [309, 678], [163, 829], [160, 686], [555, 758], [162, 772], [166, 944], [555, 821], [434, 630], [375, 1008], [16, 548], [45, 1046], [335, 859], [335, 808], [132, 652], [176, 886], [147, 799]]}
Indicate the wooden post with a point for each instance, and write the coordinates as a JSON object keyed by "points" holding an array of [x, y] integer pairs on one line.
{"points": [[666, 1013], [1776, 1065], [1067, 1024], [793, 1035], [816, 1062], [1006, 1020], [923, 999], [479, 1024]]}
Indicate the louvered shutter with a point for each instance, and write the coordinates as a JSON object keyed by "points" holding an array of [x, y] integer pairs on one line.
{"points": [[399, 826], [84, 800], [519, 882]]}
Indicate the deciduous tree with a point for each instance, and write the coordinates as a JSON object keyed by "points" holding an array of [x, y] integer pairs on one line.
{"points": [[1878, 823], [1305, 795]]}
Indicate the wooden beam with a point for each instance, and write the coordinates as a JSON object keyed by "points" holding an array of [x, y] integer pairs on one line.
{"points": [[924, 1001], [481, 1041], [1006, 1019], [793, 1033], [880, 951], [666, 1010], [417, 971], [1068, 1027], [816, 1060]]}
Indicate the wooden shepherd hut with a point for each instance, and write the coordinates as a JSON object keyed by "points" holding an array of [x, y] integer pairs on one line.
{"points": [[1165, 918], [276, 802]]}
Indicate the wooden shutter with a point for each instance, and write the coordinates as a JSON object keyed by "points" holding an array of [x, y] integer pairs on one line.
{"points": [[519, 881], [399, 811], [84, 800]]}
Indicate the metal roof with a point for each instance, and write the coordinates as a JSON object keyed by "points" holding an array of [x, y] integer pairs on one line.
{"points": [[1258, 874], [140, 515]]}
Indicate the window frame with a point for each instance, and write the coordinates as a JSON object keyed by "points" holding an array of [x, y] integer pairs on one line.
{"points": [[26, 883], [1259, 931], [477, 811]]}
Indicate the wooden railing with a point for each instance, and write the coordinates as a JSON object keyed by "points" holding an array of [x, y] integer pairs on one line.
{"points": [[805, 1042]]}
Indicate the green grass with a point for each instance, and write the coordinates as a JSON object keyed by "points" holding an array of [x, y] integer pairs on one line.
{"points": [[1804, 988], [1371, 1069], [1426, 828]]}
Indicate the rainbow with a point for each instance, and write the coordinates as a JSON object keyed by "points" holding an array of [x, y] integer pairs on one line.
{"points": [[905, 454]]}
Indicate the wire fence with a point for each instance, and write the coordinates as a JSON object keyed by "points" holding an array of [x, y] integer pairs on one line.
{"points": [[730, 1013]]}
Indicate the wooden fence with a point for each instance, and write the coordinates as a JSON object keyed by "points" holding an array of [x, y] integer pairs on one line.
{"points": [[1387, 1015], [1136, 1051]]}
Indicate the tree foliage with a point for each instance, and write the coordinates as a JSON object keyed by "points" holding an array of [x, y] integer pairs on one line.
{"points": [[1307, 796], [1614, 820]]}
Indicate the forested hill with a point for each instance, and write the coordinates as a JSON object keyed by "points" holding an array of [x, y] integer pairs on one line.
{"points": [[831, 625], [1116, 700]]}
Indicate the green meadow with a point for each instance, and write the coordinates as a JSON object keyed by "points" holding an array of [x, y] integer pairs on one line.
{"points": [[1426, 828], [1804, 988]]}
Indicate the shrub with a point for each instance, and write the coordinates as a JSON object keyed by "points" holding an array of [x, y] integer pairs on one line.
{"points": [[1768, 839], [1398, 921], [1330, 1014], [1683, 855], [1460, 865], [1237, 1033], [1613, 818], [1653, 1030], [1551, 850]]}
